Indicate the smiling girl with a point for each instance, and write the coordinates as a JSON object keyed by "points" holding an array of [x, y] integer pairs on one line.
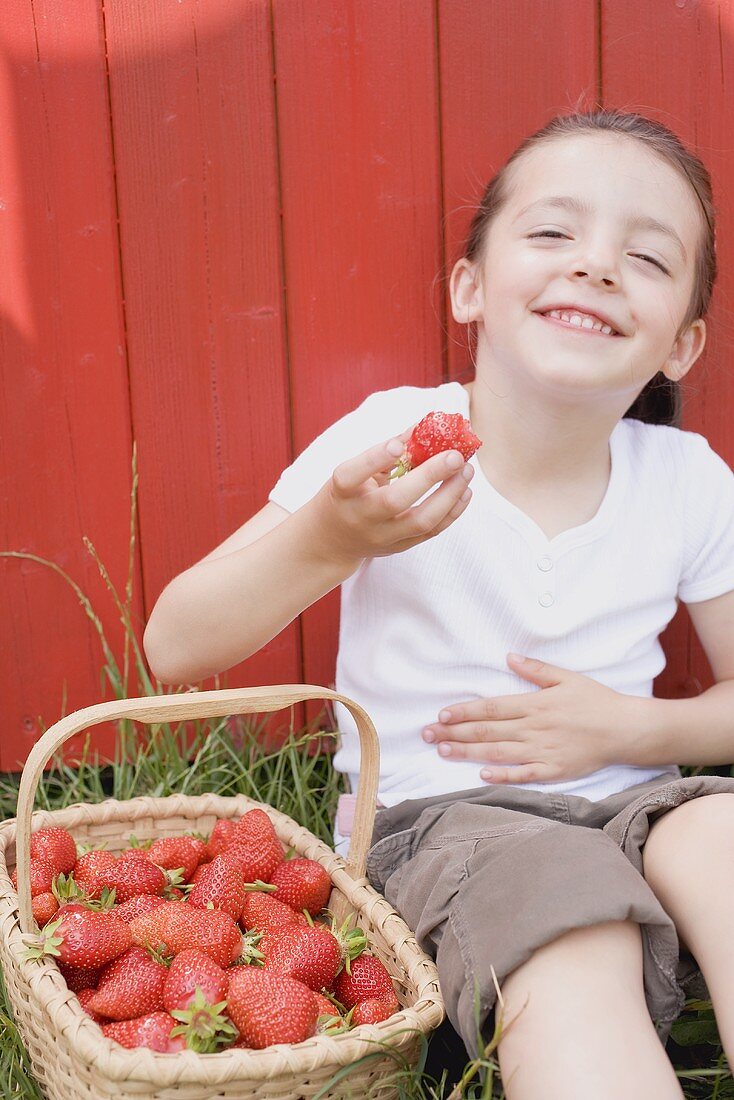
{"points": [[505, 637]]}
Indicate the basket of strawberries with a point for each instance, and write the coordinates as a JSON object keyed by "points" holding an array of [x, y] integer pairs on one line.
{"points": [[198, 960]]}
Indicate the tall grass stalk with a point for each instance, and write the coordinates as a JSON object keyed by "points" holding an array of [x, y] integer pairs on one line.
{"points": [[229, 756]]}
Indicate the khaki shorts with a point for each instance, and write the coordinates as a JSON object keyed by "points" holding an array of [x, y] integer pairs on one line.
{"points": [[486, 876]]}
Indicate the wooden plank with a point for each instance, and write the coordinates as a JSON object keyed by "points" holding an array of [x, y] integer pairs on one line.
{"points": [[358, 131], [65, 445], [682, 83], [196, 154]]}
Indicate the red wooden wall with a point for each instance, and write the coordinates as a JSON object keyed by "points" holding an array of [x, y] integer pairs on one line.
{"points": [[223, 223]]}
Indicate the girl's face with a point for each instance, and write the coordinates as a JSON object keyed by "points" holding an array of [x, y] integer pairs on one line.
{"points": [[577, 232]]}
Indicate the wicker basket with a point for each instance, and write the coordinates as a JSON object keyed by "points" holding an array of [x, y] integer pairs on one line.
{"points": [[73, 1060]]}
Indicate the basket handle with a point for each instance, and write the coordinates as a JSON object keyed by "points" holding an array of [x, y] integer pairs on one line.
{"points": [[191, 705]]}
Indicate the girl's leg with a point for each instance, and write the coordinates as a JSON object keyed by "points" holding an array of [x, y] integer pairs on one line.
{"points": [[585, 1029], [688, 861]]}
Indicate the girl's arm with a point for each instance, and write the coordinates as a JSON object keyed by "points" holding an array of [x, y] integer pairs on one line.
{"points": [[231, 603], [698, 730]]}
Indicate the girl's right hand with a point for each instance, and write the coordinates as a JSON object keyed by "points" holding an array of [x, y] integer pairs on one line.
{"points": [[364, 515]]}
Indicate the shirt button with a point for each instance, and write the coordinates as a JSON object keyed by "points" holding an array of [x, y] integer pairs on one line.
{"points": [[546, 600], [545, 564]]}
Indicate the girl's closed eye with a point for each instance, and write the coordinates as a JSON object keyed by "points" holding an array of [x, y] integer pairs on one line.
{"points": [[557, 233]]}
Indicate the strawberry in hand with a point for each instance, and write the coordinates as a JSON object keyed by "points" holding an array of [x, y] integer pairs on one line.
{"points": [[437, 432]]}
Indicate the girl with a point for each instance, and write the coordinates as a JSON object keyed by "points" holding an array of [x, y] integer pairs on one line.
{"points": [[504, 636]]}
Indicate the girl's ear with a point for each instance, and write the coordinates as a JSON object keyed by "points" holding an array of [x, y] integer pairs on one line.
{"points": [[466, 293], [686, 351]]}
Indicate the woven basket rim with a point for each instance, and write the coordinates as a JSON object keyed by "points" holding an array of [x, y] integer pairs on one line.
{"points": [[187, 1067]]}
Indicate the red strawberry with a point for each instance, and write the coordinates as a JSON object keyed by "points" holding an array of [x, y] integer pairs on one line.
{"points": [[44, 907], [79, 977], [264, 911], [89, 869], [135, 907], [153, 1031], [86, 938], [173, 852], [254, 825], [130, 875], [192, 969], [368, 980], [221, 836], [373, 1011], [85, 996], [199, 872], [222, 886], [130, 986], [267, 1008], [310, 955], [176, 925], [55, 845], [42, 875], [437, 432], [303, 884], [254, 858]]}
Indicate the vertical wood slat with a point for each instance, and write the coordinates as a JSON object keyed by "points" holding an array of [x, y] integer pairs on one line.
{"points": [[65, 444], [682, 82], [358, 127], [196, 158]]}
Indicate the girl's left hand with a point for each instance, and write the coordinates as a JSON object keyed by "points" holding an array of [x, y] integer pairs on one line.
{"points": [[571, 727]]}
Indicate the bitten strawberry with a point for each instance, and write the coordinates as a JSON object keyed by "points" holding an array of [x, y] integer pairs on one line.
{"points": [[153, 1031], [302, 883], [267, 1008], [57, 846], [437, 432], [368, 980], [130, 986]]}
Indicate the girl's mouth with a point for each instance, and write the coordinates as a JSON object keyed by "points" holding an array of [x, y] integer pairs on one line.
{"points": [[567, 326]]}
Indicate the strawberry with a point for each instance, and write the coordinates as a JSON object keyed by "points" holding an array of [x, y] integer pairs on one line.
{"points": [[84, 996], [135, 907], [254, 858], [264, 911], [44, 907], [174, 852], [130, 986], [302, 883], [193, 969], [310, 955], [221, 836], [176, 925], [268, 1008], [253, 826], [373, 1011], [79, 977], [368, 980], [42, 874], [222, 886], [131, 875], [86, 938], [153, 1031], [89, 869], [438, 431], [55, 845]]}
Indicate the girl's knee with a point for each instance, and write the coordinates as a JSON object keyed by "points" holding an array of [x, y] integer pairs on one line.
{"points": [[592, 955]]}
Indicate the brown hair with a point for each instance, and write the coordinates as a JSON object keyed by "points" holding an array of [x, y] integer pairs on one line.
{"points": [[659, 401]]}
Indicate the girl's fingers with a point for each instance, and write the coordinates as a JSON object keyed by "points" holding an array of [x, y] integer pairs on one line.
{"points": [[409, 536], [382, 458], [405, 491]]}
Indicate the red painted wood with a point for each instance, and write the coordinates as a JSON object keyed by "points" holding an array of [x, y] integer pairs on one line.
{"points": [[196, 160], [65, 444], [682, 82], [360, 171]]}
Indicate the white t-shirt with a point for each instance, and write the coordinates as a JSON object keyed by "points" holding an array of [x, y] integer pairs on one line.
{"points": [[432, 626]]}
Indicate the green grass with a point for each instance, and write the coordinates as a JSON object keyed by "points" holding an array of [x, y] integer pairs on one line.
{"points": [[229, 756]]}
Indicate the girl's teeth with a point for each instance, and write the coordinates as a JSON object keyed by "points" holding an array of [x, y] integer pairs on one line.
{"points": [[578, 321]]}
